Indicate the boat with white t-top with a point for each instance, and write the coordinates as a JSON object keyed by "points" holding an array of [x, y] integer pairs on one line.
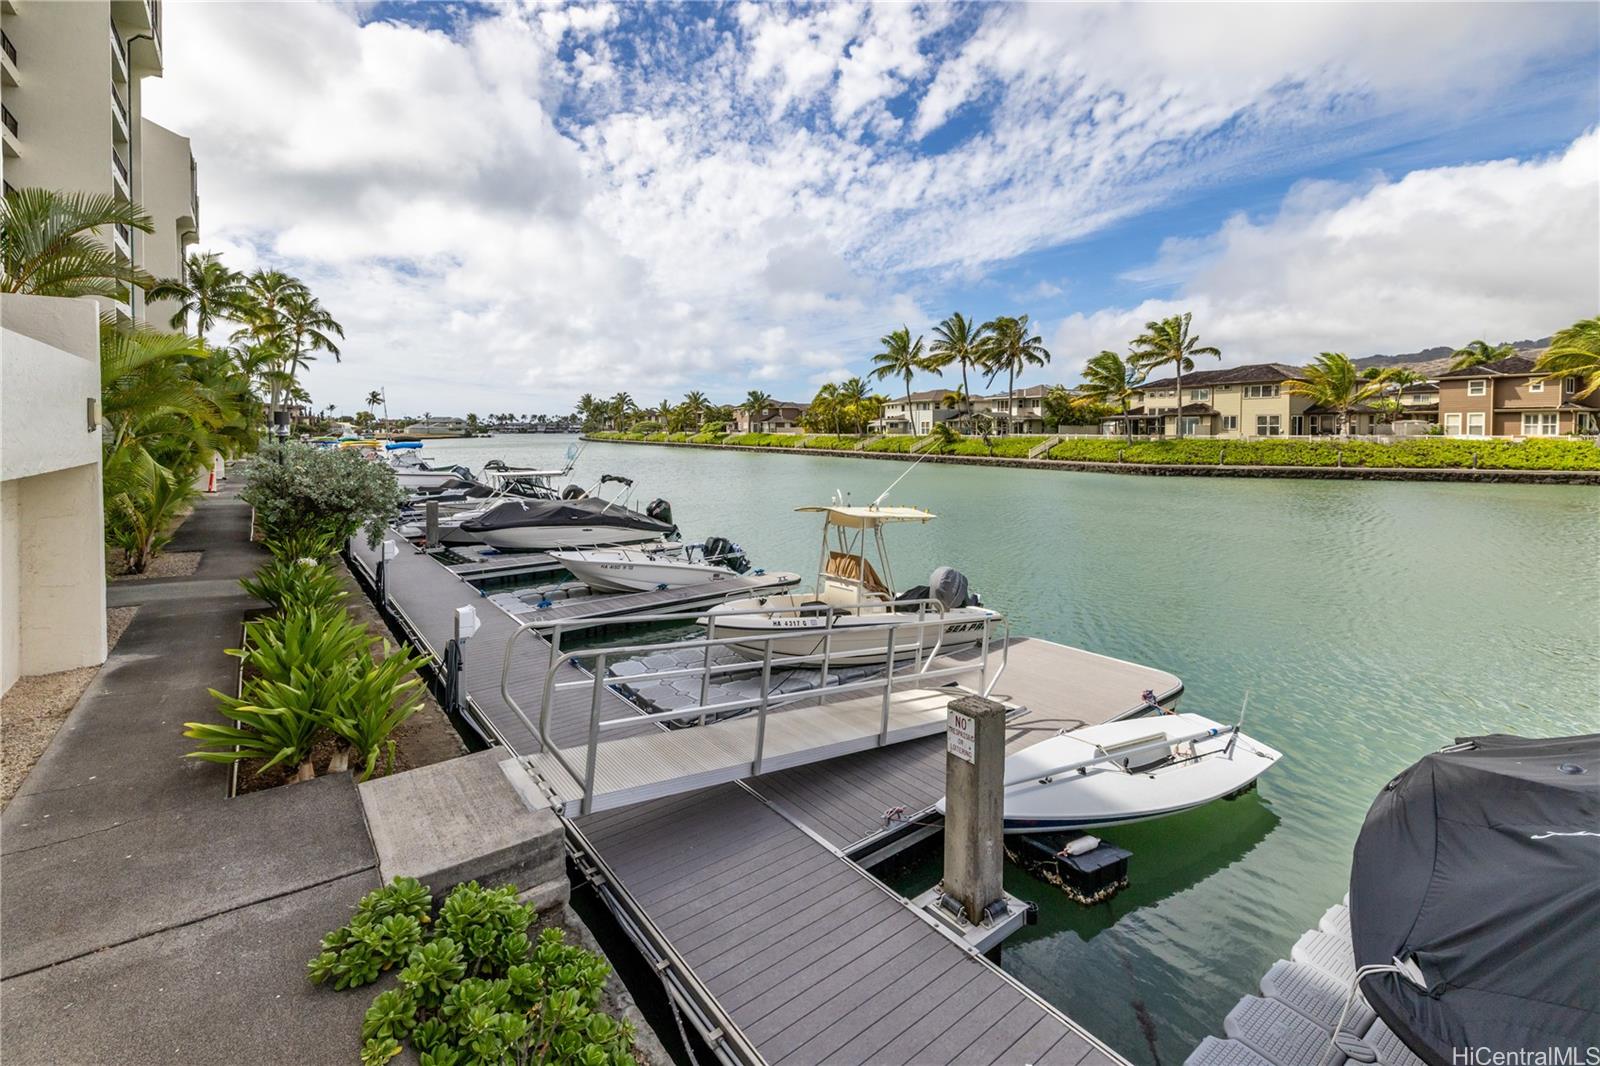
{"points": [[853, 616]]}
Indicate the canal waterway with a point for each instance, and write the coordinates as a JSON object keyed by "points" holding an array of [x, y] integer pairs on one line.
{"points": [[1368, 622]]}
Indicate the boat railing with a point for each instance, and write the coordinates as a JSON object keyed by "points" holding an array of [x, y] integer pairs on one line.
{"points": [[921, 670]]}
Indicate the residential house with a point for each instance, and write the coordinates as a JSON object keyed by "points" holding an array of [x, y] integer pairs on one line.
{"points": [[926, 408], [1508, 398], [1027, 409], [1241, 401], [780, 417]]}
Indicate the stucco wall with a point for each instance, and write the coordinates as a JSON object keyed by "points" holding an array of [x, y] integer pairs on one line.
{"points": [[168, 183], [52, 553]]}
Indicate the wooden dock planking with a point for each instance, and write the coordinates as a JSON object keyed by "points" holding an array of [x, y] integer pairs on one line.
{"points": [[810, 956]]}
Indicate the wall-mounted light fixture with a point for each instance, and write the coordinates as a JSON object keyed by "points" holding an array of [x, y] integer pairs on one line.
{"points": [[94, 413]]}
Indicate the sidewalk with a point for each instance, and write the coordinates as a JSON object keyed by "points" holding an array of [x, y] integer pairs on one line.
{"points": [[145, 917]]}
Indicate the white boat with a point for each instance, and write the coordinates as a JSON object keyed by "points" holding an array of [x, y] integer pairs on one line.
{"points": [[416, 474], [668, 566], [852, 615], [1130, 770], [581, 521]]}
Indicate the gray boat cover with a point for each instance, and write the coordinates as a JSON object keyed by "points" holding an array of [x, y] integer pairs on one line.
{"points": [[590, 511], [1482, 863]]}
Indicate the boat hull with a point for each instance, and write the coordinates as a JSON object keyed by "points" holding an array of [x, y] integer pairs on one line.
{"points": [[635, 571], [552, 538], [1106, 795], [857, 640]]}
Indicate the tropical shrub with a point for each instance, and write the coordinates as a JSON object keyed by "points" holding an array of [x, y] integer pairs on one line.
{"points": [[294, 585], [646, 427], [304, 544], [474, 988], [330, 492], [765, 440], [706, 437], [140, 517], [369, 703], [841, 441], [1088, 450], [713, 429], [1006, 447], [902, 443]]}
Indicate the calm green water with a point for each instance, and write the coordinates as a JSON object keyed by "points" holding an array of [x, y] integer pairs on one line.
{"points": [[1370, 623]]}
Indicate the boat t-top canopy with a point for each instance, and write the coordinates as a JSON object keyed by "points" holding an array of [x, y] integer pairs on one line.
{"points": [[869, 517]]}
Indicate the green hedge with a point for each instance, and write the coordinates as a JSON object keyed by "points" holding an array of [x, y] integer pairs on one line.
{"points": [[903, 443], [765, 440], [1006, 447], [1425, 452]]}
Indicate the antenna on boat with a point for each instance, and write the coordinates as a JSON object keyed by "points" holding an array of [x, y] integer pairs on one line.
{"points": [[884, 494], [1238, 726]]}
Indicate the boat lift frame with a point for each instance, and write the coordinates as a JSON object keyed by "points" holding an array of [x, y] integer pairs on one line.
{"points": [[930, 613]]}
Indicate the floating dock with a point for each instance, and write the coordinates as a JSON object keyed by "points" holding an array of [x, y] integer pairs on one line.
{"points": [[744, 893], [1291, 1023]]}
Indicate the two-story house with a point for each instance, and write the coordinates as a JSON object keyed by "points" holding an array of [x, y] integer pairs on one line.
{"points": [[781, 417], [1240, 401], [1027, 409], [1508, 398], [925, 409]]}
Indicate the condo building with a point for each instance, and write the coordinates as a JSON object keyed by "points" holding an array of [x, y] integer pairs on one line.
{"points": [[1509, 398], [72, 103]]}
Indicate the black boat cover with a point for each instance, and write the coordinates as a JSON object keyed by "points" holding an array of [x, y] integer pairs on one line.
{"points": [[591, 511], [1482, 863]]}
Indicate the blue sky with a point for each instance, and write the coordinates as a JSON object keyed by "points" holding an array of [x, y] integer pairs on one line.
{"points": [[515, 205]]}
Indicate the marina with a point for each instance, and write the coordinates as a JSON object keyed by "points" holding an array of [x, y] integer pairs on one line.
{"points": [[737, 870]]}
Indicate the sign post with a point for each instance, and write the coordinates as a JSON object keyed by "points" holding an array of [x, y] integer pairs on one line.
{"points": [[974, 828]]}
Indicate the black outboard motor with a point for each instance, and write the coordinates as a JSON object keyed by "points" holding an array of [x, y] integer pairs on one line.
{"points": [[573, 492], [723, 552], [660, 510], [949, 586]]}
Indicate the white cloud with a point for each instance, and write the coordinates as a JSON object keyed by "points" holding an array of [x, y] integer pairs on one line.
{"points": [[1502, 250], [555, 199]]}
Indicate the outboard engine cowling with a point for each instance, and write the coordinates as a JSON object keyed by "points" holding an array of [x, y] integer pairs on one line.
{"points": [[660, 510], [949, 586], [724, 552], [573, 492]]}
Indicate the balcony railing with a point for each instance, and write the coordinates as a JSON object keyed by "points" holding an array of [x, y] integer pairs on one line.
{"points": [[120, 167], [7, 47], [10, 120], [125, 235], [119, 56]]}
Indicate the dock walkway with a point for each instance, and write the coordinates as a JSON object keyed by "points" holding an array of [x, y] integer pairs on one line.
{"points": [[781, 948]]}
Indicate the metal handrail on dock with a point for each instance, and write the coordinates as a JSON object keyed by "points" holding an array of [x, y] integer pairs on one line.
{"points": [[930, 613]]}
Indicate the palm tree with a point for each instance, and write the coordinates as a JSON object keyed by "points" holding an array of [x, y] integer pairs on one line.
{"points": [[853, 396], [1111, 380], [1395, 379], [694, 407], [901, 357], [1011, 348], [1167, 343], [308, 329], [1333, 381], [1477, 353], [620, 407], [1575, 352], [374, 398], [49, 247], [756, 404], [208, 290], [961, 341]]}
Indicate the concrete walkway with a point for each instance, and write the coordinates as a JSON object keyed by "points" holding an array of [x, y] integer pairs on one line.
{"points": [[145, 917]]}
